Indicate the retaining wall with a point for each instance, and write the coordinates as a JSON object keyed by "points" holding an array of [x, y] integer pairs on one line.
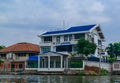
{"points": [[103, 65]]}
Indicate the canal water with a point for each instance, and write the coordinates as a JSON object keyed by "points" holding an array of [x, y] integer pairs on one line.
{"points": [[58, 79]]}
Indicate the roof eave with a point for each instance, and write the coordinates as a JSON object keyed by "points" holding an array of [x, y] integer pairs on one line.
{"points": [[99, 32], [19, 52], [64, 33]]}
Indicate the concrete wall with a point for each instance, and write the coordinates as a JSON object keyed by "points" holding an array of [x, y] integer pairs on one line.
{"points": [[106, 66]]}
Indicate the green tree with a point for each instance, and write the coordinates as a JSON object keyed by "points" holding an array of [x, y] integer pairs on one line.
{"points": [[2, 46], [85, 47], [113, 49], [1, 61]]}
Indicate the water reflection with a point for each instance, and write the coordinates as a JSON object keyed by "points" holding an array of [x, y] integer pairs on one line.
{"points": [[58, 79]]}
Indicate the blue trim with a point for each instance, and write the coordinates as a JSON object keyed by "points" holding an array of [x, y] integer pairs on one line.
{"points": [[72, 29], [34, 58], [65, 43]]}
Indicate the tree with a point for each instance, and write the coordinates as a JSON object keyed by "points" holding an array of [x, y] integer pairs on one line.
{"points": [[2, 46], [85, 47], [1, 61], [113, 49]]}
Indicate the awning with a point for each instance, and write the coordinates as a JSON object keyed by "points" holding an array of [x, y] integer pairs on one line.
{"points": [[34, 58], [65, 44]]}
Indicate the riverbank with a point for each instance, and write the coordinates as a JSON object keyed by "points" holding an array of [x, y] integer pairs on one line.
{"points": [[88, 71], [76, 73], [57, 79]]}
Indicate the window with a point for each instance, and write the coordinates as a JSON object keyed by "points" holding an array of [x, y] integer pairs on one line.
{"points": [[74, 48], [80, 35], [2, 55], [65, 48], [20, 54], [45, 49], [20, 66], [66, 38], [58, 39], [48, 39], [70, 37], [92, 39], [99, 42]]}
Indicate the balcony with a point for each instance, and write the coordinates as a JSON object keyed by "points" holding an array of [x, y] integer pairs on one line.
{"points": [[46, 43]]}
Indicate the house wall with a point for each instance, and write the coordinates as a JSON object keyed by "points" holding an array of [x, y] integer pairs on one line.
{"points": [[92, 36], [5, 66], [16, 65], [54, 43], [15, 59], [106, 66]]}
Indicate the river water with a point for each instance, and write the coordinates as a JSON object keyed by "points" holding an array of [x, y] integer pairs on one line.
{"points": [[58, 79]]}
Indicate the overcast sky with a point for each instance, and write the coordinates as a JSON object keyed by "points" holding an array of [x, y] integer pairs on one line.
{"points": [[23, 20]]}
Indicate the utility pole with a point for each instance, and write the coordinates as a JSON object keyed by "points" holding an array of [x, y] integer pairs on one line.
{"points": [[100, 58]]}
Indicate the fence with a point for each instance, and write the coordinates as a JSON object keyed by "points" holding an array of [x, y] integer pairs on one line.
{"points": [[103, 65]]}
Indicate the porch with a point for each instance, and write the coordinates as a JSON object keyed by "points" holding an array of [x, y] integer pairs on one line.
{"points": [[52, 62]]}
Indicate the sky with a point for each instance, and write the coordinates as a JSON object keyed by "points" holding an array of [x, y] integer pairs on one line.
{"points": [[23, 20]]}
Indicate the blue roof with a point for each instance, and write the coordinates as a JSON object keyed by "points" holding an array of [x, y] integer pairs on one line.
{"points": [[72, 29]]}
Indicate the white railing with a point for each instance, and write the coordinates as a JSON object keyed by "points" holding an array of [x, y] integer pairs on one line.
{"points": [[31, 68]]}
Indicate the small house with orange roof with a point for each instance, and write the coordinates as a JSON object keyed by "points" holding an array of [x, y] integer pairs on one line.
{"points": [[15, 56]]}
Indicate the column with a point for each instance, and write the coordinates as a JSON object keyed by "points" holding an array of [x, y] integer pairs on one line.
{"points": [[61, 61], [44, 63], [67, 62], [25, 64], [48, 62], [73, 38], [38, 62], [54, 63], [51, 48]]}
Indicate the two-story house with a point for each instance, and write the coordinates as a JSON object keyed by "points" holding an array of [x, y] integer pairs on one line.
{"points": [[14, 57], [64, 41]]}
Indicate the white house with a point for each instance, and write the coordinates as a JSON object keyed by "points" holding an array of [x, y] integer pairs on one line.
{"points": [[55, 46], [64, 41]]}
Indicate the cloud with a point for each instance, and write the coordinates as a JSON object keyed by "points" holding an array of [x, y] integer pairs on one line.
{"points": [[28, 18], [40, 12], [97, 7], [15, 35]]}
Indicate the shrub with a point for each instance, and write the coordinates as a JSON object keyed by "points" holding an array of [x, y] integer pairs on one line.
{"points": [[76, 64], [80, 73], [112, 60], [92, 73], [104, 72]]}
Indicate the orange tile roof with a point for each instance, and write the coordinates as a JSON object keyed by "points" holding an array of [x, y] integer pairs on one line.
{"points": [[21, 47]]}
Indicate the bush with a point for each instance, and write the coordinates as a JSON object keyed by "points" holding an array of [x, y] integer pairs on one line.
{"points": [[76, 64], [112, 60], [80, 73], [92, 73], [104, 72]]}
